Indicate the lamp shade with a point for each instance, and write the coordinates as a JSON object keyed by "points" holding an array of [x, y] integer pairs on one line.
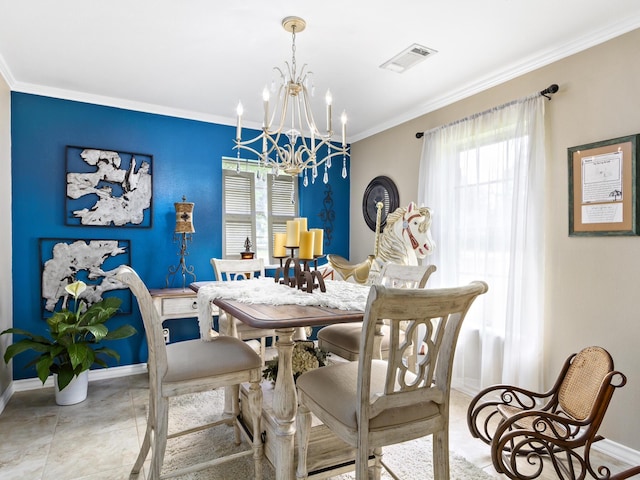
{"points": [[184, 216]]}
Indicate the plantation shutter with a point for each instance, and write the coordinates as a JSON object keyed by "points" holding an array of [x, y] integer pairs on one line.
{"points": [[283, 195], [238, 193]]}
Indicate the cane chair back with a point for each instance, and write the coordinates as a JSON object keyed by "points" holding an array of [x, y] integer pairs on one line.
{"points": [[579, 389], [554, 429]]}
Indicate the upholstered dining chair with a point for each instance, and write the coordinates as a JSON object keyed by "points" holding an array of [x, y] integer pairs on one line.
{"points": [[372, 403], [343, 339], [528, 431], [231, 270], [188, 367]]}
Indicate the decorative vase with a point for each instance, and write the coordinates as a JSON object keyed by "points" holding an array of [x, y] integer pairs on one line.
{"points": [[73, 393]]}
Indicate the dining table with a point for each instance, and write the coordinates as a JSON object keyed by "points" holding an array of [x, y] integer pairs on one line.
{"points": [[266, 304]]}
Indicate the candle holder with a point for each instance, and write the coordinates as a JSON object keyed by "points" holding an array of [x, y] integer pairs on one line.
{"points": [[311, 278], [303, 278]]}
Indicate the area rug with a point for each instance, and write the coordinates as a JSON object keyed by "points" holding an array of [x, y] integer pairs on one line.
{"points": [[410, 460]]}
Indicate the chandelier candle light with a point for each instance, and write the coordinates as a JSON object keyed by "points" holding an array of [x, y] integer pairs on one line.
{"points": [[290, 140]]}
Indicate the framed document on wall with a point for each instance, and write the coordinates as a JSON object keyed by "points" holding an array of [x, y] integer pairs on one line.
{"points": [[603, 193]]}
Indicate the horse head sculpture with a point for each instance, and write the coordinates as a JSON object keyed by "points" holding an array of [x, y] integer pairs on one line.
{"points": [[406, 239]]}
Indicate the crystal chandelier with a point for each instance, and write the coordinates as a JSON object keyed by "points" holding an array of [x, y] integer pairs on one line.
{"points": [[291, 141]]}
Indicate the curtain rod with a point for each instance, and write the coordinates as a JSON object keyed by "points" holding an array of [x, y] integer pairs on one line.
{"points": [[550, 90]]}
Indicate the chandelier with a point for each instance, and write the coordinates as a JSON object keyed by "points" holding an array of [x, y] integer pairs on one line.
{"points": [[291, 141]]}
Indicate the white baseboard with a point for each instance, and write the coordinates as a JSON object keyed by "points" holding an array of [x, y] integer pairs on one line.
{"points": [[99, 374], [6, 396], [618, 451]]}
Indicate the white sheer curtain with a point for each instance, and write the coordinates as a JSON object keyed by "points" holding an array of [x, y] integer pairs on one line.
{"points": [[483, 177]]}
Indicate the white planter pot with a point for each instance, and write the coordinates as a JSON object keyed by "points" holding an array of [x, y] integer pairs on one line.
{"points": [[75, 392]]}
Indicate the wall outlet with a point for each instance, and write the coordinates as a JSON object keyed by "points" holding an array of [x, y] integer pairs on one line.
{"points": [[165, 332]]}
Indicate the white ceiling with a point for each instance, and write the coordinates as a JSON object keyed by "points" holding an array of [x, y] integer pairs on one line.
{"points": [[197, 58]]}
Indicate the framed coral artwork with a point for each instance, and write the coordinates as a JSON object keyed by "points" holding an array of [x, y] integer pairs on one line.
{"points": [[94, 261], [107, 188]]}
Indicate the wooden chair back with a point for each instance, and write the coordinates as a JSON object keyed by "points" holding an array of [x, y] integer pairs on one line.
{"points": [[157, 361], [231, 269], [395, 275], [441, 312], [579, 389], [187, 367], [390, 404], [343, 339]]}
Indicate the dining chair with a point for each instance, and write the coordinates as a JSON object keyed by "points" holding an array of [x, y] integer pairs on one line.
{"points": [[343, 339], [528, 431], [189, 367], [232, 270], [371, 403]]}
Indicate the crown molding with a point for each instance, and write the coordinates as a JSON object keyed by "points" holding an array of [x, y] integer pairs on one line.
{"points": [[115, 102], [6, 73], [509, 72]]}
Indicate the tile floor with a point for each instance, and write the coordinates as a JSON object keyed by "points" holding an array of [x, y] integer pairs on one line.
{"points": [[98, 439]]}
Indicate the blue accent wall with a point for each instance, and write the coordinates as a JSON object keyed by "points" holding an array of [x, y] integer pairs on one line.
{"points": [[186, 161]]}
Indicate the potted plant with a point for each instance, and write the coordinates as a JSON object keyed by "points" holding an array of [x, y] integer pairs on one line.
{"points": [[305, 356], [70, 351]]}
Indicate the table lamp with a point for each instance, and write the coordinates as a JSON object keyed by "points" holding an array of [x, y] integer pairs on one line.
{"points": [[184, 233]]}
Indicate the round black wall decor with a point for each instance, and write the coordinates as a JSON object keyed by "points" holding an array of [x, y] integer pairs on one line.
{"points": [[380, 189]]}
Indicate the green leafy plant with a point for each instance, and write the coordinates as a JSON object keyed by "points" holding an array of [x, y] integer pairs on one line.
{"points": [[306, 356], [74, 335]]}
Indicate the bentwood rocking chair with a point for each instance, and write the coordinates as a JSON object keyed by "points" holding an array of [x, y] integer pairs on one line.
{"points": [[530, 431], [372, 403], [188, 367]]}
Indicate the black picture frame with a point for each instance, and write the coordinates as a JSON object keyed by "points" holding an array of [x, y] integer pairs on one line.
{"points": [[603, 188], [97, 270], [108, 188], [380, 189]]}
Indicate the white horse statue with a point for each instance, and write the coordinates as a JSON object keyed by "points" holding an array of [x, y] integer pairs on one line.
{"points": [[406, 239]]}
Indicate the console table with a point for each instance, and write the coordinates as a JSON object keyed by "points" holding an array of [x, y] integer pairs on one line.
{"points": [[176, 303]]}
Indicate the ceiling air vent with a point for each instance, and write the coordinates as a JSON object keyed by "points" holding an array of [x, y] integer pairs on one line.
{"points": [[408, 58]]}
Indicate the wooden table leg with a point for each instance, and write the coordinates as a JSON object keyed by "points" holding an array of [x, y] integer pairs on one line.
{"points": [[285, 403], [300, 334]]}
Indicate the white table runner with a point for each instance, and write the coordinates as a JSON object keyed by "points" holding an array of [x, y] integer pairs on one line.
{"points": [[340, 294]]}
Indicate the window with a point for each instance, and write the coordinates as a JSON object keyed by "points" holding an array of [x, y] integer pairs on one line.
{"points": [[484, 178], [484, 196], [256, 204]]}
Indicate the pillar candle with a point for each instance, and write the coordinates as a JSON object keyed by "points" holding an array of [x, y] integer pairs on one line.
{"points": [[279, 240], [303, 223], [344, 129], [306, 245], [328, 99], [293, 233], [239, 111], [318, 241], [265, 101]]}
